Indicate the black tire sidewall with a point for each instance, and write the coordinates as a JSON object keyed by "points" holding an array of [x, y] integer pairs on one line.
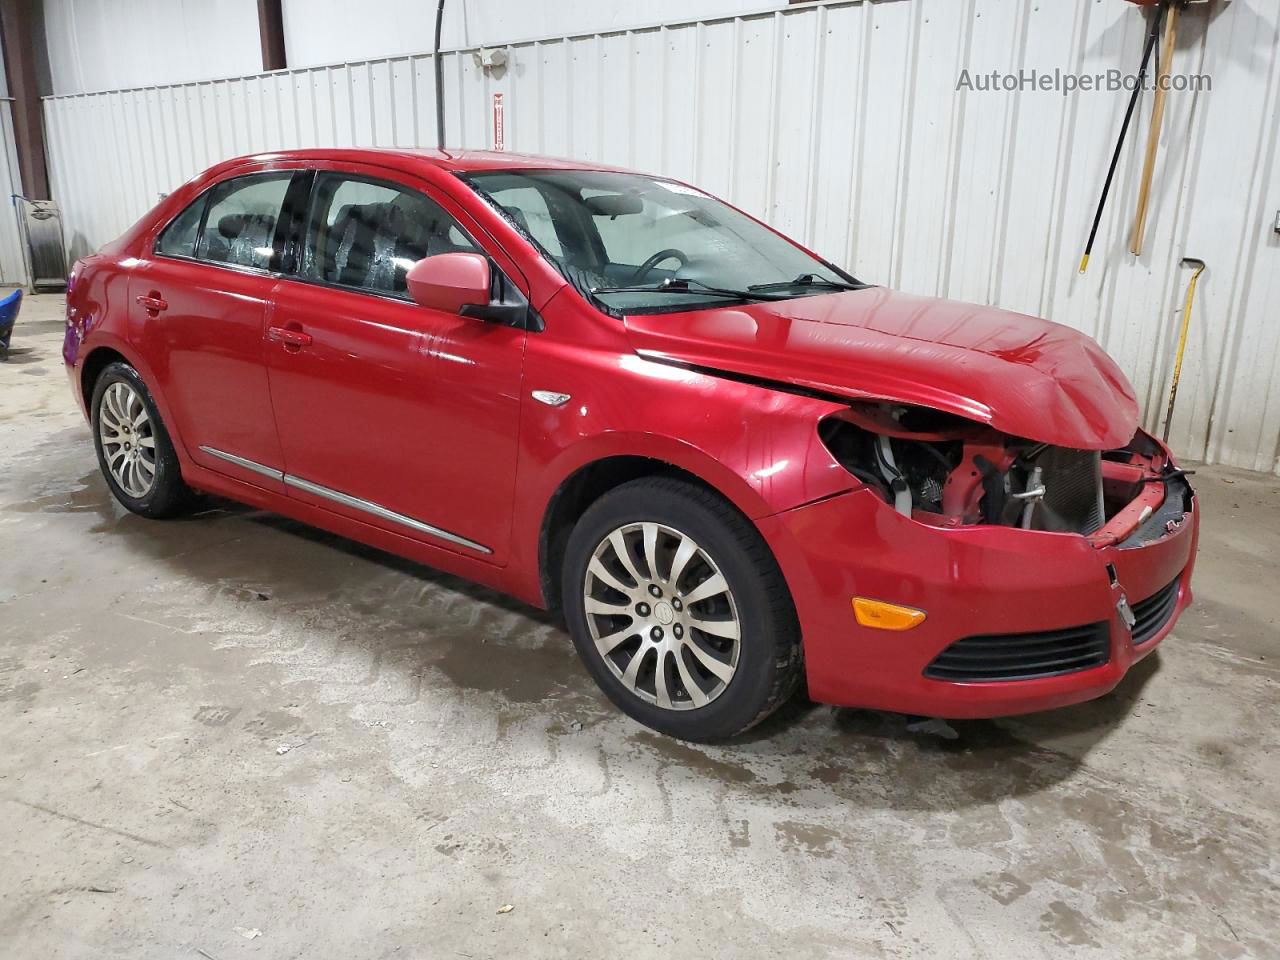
{"points": [[168, 491], [724, 536]]}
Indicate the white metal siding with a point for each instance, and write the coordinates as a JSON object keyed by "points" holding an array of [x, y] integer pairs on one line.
{"points": [[324, 31], [841, 124], [13, 268], [109, 44]]}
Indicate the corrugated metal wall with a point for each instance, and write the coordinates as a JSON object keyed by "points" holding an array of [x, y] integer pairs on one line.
{"points": [[842, 124], [13, 265], [324, 31]]}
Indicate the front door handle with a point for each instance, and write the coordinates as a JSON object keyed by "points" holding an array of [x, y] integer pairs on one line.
{"points": [[153, 302], [289, 336]]}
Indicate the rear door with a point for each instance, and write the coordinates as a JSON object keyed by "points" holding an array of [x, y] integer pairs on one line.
{"points": [[200, 306], [391, 413]]}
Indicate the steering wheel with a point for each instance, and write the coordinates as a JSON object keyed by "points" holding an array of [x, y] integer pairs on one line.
{"points": [[646, 268]]}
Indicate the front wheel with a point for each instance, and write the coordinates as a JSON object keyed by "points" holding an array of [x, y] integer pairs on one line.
{"points": [[134, 450], [679, 611]]}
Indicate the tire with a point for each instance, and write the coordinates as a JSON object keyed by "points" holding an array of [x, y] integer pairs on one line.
{"points": [[147, 478], [739, 647]]}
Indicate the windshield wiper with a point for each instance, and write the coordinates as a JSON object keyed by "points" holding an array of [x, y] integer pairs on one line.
{"points": [[807, 280], [683, 285]]}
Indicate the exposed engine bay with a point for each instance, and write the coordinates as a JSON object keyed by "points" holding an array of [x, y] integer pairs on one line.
{"points": [[946, 471]]}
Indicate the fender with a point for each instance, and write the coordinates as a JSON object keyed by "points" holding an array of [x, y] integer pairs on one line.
{"points": [[533, 501], [654, 446]]}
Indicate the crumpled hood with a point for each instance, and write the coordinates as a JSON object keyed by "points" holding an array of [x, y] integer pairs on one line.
{"points": [[1023, 376]]}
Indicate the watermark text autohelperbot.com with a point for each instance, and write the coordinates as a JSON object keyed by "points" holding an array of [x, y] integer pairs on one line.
{"points": [[1067, 83]]}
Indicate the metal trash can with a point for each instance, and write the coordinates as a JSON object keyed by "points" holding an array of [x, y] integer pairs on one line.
{"points": [[46, 256]]}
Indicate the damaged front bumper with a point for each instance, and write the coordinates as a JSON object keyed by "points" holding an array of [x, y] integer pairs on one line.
{"points": [[1017, 620]]}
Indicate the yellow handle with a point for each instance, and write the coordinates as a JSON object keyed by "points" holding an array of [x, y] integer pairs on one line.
{"points": [[1186, 325], [1182, 349]]}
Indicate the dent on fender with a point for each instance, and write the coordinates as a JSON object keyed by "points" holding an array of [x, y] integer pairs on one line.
{"points": [[698, 430]]}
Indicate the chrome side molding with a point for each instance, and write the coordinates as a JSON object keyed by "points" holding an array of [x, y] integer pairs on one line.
{"points": [[242, 462], [355, 503], [367, 506]]}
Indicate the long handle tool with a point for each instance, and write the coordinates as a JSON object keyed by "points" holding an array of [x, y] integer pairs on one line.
{"points": [[1138, 240], [1152, 36], [1182, 339]]}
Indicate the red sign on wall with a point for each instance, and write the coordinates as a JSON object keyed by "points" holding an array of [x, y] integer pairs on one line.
{"points": [[499, 124]]}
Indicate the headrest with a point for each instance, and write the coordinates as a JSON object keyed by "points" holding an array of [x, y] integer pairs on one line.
{"points": [[234, 225]]}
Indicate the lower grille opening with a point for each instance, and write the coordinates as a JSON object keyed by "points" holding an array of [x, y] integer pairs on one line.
{"points": [[1023, 656], [1152, 614]]}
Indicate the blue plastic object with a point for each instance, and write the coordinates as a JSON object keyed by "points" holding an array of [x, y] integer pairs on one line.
{"points": [[8, 315]]}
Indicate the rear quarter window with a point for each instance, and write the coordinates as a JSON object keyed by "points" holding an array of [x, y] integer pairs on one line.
{"points": [[178, 239]]}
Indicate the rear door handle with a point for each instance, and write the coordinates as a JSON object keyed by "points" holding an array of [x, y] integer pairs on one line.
{"points": [[153, 302], [289, 337]]}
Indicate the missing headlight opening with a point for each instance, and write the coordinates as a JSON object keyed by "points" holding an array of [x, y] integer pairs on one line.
{"points": [[946, 471]]}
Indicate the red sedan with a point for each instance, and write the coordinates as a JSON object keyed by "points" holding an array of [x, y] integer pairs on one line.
{"points": [[732, 466]]}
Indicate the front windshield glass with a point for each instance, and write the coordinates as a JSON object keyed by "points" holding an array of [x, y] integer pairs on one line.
{"points": [[636, 244]]}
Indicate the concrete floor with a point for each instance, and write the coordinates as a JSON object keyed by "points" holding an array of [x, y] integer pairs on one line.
{"points": [[236, 723]]}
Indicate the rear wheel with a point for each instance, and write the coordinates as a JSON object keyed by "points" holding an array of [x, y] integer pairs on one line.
{"points": [[134, 450], [678, 609]]}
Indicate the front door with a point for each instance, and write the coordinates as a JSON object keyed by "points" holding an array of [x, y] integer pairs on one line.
{"points": [[388, 412]]}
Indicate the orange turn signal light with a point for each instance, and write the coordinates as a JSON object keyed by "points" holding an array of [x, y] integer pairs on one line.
{"points": [[886, 616]]}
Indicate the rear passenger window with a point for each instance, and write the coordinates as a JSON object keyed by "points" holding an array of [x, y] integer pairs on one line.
{"points": [[178, 239], [368, 235], [240, 228]]}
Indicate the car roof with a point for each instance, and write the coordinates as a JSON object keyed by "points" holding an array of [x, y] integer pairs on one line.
{"points": [[451, 160]]}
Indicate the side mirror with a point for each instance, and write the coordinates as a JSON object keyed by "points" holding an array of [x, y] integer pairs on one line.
{"points": [[450, 281]]}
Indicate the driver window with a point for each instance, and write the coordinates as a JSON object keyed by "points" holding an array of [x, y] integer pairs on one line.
{"points": [[367, 235]]}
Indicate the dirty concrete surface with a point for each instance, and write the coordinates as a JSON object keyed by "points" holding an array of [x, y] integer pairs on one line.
{"points": [[233, 723]]}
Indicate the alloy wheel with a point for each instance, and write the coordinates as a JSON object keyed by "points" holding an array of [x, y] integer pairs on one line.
{"points": [[128, 439], [662, 616]]}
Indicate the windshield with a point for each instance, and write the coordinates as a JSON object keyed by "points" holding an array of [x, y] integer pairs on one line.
{"points": [[636, 244]]}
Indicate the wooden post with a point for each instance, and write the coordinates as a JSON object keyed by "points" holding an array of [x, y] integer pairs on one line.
{"points": [[28, 124], [271, 33], [1138, 240]]}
